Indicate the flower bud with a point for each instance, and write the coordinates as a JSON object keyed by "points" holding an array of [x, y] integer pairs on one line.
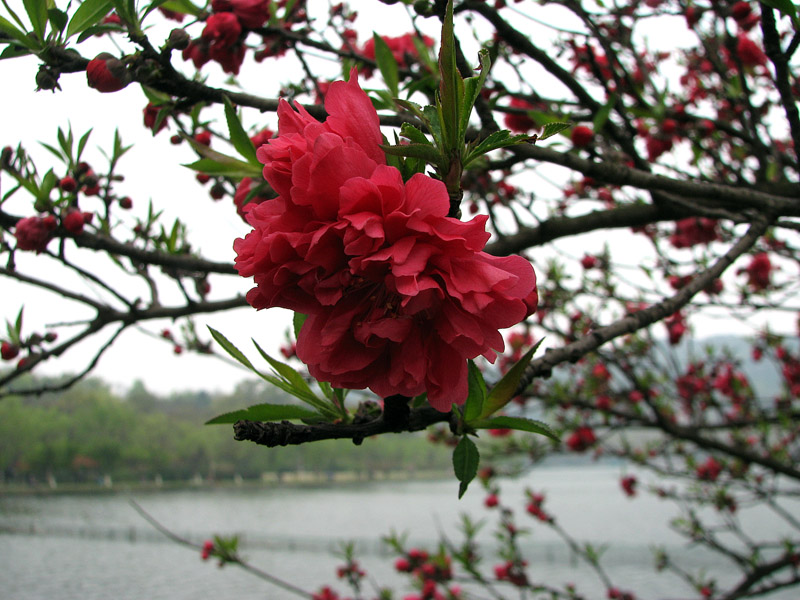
{"points": [[8, 351], [47, 79], [178, 39], [105, 73], [73, 222]]}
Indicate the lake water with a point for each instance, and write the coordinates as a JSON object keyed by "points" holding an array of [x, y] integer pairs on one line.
{"points": [[93, 547]]}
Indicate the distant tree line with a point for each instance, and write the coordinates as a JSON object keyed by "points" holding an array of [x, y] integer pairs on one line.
{"points": [[90, 431]]}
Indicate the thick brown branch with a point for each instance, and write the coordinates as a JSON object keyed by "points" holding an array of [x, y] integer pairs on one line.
{"points": [[286, 433]]}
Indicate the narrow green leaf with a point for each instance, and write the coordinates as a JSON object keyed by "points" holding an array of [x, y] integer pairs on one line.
{"points": [[387, 64], [297, 323], [551, 129], [82, 145], [465, 463], [37, 13], [496, 140], [14, 16], [65, 141], [408, 131], [48, 183], [519, 423], [424, 151], [88, 14], [472, 89], [266, 412], [236, 169], [503, 390], [451, 86], [54, 150], [477, 393], [602, 115], [412, 107], [239, 138], [8, 28], [13, 51], [18, 322], [286, 372], [155, 97], [183, 6], [434, 125], [231, 349], [58, 19]]}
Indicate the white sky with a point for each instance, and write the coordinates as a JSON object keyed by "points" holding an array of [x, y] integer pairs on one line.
{"points": [[151, 171]]}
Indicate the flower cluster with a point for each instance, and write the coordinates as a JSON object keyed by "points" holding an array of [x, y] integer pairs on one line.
{"points": [[34, 233], [404, 48], [222, 39], [693, 231], [397, 294]]}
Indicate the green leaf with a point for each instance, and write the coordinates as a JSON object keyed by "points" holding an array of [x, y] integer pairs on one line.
{"points": [[13, 51], [472, 89], [413, 108], [234, 168], [266, 412], [476, 395], [231, 349], [602, 115], [88, 13], [387, 64], [552, 129], [8, 28], [82, 145], [58, 19], [286, 372], [297, 323], [424, 151], [155, 97], [465, 463], [48, 183], [451, 86], [184, 7], [408, 131], [496, 140], [519, 423], [37, 13], [239, 138], [503, 391], [434, 125], [18, 322]]}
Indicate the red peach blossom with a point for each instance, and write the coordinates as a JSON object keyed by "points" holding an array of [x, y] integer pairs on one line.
{"points": [[403, 48], [251, 13], [749, 52], [581, 136], [106, 73], [398, 295], [581, 439], [519, 123], [34, 233], [248, 194], [74, 221], [9, 351], [759, 272]]}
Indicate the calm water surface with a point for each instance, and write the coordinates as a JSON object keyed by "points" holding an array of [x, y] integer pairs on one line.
{"points": [[93, 547]]}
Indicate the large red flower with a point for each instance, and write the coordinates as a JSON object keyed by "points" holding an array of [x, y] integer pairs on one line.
{"points": [[398, 295]]}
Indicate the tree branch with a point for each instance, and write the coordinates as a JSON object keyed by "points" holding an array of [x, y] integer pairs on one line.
{"points": [[286, 433]]}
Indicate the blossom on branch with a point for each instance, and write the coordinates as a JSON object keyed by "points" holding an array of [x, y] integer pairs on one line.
{"points": [[34, 233], [397, 294]]}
